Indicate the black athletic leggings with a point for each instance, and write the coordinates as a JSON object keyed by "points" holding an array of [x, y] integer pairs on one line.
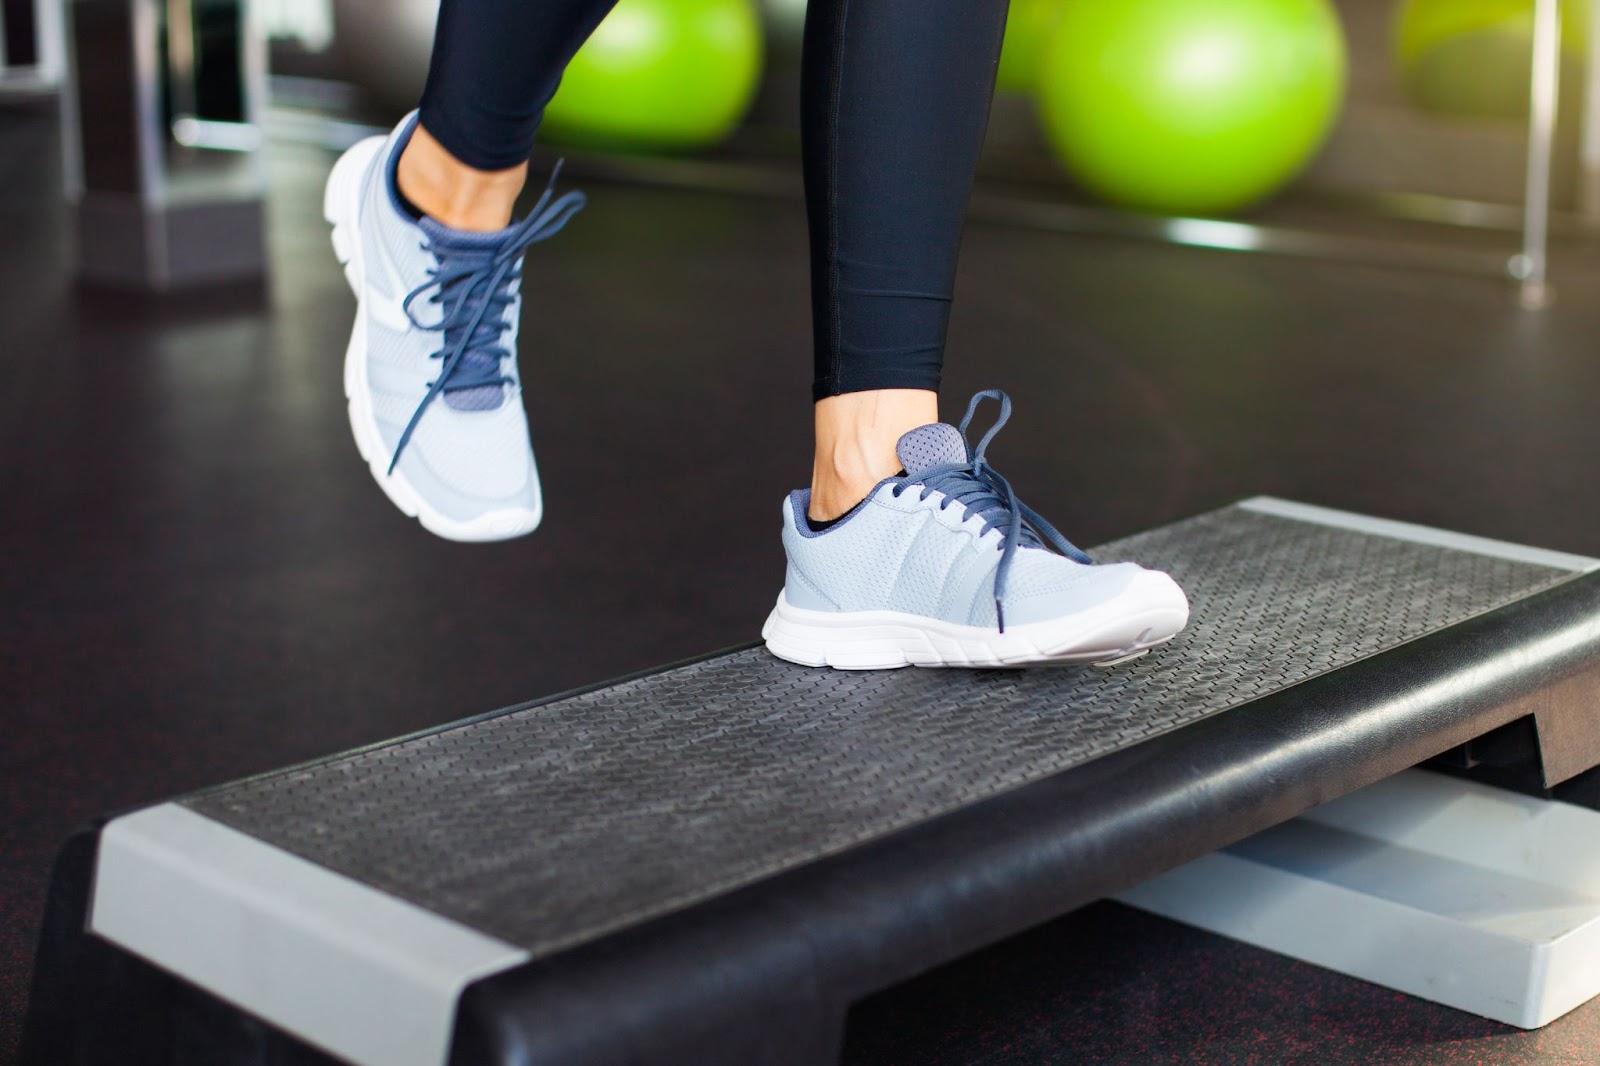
{"points": [[895, 98]]}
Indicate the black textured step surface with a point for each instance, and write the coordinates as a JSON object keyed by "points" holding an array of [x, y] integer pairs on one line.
{"points": [[551, 825]]}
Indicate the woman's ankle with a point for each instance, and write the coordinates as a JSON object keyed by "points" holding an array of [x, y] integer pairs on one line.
{"points": [[856, 434], [452, 193]]}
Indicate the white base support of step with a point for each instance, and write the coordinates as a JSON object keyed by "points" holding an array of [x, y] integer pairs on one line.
{"points": [[1464, 895]]}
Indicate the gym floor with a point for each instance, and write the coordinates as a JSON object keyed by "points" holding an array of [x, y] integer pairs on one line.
{"points": [[201, 580]]}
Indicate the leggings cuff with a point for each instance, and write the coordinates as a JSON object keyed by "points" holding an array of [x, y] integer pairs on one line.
{"points": [[868, 379], [464, 135]]}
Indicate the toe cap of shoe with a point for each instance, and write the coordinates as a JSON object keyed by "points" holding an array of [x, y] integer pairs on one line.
{"points": [[1073, 588]]}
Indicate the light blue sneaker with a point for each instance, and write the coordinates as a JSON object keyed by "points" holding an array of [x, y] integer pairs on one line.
{"points": [[431, 370], [944, 566]]}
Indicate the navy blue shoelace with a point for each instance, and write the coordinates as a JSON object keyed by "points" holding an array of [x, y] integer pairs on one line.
{"points": [[475, 288], [980, 490]]}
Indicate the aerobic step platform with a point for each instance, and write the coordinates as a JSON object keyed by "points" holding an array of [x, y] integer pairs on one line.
{"points": [[708, 864]]}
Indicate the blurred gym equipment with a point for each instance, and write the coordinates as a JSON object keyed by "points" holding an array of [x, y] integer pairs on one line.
{"points": [[1190, 106], [1028, 28], [661, 74], [1473, 58], [163, 135], [383, 47], [32, 48]]}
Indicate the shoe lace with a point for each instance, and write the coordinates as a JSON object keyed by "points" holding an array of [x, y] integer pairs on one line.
{"points": [[475, 288], [982, 491]]}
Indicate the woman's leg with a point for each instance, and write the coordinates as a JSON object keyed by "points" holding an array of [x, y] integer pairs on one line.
{"points": [[942, 566], [895, 101], [496, 64]]}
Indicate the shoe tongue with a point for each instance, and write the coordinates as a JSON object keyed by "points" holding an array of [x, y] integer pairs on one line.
{"points": [[928, 446], [462, 240], [479, 398], [447, 240]]}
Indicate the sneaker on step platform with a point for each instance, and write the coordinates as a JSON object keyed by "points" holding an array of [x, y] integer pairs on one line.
{"points": [[431, 369], [944, 566]]}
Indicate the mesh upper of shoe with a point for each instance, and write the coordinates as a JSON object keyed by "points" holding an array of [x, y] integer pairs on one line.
{"points": [[470, 449], [895, 554], [485, 454], [912, 548]]}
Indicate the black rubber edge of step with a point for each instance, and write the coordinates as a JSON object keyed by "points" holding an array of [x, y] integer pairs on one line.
{"points": [[765, 974]]}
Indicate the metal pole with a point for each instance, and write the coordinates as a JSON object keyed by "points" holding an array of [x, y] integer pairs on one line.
{"points": [[1589, 148], [181, 72], [1530, 266]]}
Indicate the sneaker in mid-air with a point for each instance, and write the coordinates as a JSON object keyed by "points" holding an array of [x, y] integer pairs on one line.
{"points": [[431, 370], [944, 566]]}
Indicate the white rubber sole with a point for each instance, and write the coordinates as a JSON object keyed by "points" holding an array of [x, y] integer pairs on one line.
{"points": [[1150, 611], [341, 205]]}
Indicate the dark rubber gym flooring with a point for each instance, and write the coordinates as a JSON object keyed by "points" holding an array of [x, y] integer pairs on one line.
{"points": [[200, 580]]}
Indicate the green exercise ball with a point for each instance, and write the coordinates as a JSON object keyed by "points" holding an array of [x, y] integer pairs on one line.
{"points": [[661, 74], [1028, 27], [1190, 106], [1473, 57]]}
